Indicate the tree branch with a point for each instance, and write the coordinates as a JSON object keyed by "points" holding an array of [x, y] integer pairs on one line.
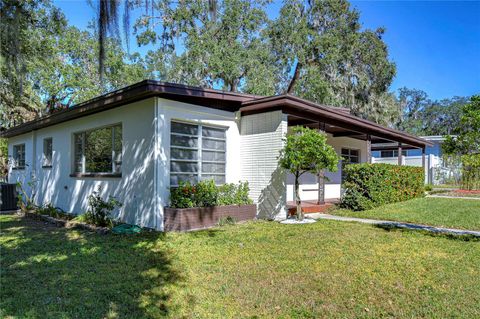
{"points": [[295, 77]]}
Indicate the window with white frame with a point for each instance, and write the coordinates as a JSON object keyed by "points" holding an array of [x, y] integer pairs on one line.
{"points": [[19, 156], [197, 152], [47, 152], [349, 156], [98, 150]]}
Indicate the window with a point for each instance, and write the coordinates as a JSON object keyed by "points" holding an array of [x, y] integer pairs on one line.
{"points": [[98, 150], [391, 153], [349, 156], [47, 152], [197, 152], [19, 156]]}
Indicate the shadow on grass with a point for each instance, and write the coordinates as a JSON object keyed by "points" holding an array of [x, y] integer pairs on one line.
{"points": [[451, 236], [50, 272]]}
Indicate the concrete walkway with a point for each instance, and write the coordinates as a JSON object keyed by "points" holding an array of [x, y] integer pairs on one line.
{"points": [[389, 223]]}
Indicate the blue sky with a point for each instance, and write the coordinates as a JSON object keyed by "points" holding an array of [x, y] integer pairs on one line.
{"points": [[435, 44]]}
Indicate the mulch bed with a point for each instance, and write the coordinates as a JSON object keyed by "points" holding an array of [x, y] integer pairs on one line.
{"points": [[467, 192], [66, 223]]}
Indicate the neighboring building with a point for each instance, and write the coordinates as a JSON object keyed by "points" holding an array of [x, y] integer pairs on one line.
{"points": [[435, 149], [140, 141], [436, 172]]}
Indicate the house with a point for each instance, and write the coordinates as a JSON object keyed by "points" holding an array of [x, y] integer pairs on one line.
{"points": [[139, 141], [436, 169]]}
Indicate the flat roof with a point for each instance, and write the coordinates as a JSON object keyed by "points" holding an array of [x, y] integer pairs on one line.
{"points": [[293, 105], [223, 100]]}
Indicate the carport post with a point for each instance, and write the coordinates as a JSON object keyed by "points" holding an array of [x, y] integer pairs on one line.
{"points": [[399, 153], [369, 148], [321, 179], [423, 157]]}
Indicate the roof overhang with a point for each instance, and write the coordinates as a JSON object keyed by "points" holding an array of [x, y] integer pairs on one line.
{"points": [[228, 101], [223, 100], [306, 109]]}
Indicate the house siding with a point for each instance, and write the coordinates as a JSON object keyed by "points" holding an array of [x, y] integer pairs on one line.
{"points": [[261, 141]]}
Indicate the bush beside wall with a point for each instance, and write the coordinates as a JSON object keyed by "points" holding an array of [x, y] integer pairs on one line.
{"points": [[207, 194], [372, 185]]}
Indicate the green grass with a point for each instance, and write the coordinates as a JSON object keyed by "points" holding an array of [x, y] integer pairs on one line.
{"points": [[442, 212], [255, 270]]}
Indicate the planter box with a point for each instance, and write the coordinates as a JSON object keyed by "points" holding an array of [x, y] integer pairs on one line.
{"points": [[182, 219]]}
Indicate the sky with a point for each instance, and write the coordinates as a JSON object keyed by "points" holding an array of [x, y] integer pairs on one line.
{"points": [[434, 44]]}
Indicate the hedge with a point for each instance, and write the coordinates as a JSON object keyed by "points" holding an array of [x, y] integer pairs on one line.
{"points": [[207, 194], [372, 185]]}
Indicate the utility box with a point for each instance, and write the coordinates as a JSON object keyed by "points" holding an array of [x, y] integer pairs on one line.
{"points": [[8, 197]]}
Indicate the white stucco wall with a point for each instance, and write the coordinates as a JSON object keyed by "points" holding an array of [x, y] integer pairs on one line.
{"points": [[168, 111], [135, 188], [144, 185], [309, 182], [261, 141]]}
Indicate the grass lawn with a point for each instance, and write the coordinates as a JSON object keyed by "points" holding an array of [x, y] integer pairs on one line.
{"points": [[259, 269], [442, 212]]}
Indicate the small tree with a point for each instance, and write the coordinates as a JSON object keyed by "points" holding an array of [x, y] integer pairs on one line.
{"points": [[306, 150], [466, 145]]}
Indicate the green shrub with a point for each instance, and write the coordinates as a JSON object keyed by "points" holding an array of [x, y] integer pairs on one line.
{"points": [[183, 196], [100, 211], [207, 194], [53, 211], [371, 185], [234, 194], [428, 187], [470, 171]]}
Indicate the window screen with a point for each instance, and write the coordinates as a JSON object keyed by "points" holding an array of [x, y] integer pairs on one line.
{"points": [[197, 152], [98, 150], [19, 155], [349, 156], [47, 152]]}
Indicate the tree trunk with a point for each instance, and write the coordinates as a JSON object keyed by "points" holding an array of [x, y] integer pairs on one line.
{"points": [[298, 202], [294, 79]]}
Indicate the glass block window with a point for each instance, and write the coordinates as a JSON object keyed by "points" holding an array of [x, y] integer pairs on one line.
{"points": [[47, 152], [197, 152], [19, 156], [98, 150]]}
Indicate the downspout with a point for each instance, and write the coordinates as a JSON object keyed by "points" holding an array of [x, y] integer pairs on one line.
{"points": [[156, 163]]}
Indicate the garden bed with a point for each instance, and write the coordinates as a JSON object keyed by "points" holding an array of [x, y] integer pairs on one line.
{"points": [[183, 219], [59, 222], [456, 193]]}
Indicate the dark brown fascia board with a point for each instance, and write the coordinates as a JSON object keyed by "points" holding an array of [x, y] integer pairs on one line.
{"points": [[303, 108], [393, 148], [136, 92]]}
